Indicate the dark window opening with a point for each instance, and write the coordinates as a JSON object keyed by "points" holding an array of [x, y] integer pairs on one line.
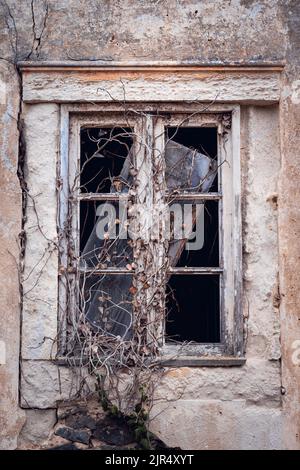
{"points": [[203, 140], [102, 156], [105, 167], [193, 301], [192, 305], [208, 254]]}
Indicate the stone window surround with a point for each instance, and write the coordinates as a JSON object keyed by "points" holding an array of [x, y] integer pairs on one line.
{"points": [[255, 86]]}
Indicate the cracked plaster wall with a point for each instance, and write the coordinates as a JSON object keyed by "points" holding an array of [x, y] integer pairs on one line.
{"points": [[191, 31]]}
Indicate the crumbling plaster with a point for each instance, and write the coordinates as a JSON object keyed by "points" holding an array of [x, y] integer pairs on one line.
{"points": [[193, 31]]}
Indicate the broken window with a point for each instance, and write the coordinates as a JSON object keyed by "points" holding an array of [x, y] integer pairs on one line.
{"points": [[105, 164], [147, 221]]}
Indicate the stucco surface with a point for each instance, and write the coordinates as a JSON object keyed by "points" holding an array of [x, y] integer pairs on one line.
{"points": [[222, 32]]}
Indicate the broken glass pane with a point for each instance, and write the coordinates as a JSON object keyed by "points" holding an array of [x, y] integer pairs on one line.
{"points": [[191, 159], [105, 159], [106, 162], [103, 235], [107, 302]]}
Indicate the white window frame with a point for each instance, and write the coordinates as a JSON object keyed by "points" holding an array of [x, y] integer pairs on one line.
{"points": [[73, 117]]}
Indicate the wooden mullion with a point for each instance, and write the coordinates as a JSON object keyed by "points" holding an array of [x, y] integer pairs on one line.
{"points": [[199, 271], [194, 196], [110, 271], [102, 196]]}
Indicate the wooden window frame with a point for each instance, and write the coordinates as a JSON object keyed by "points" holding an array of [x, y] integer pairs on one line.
{"points": [[227, 120]]}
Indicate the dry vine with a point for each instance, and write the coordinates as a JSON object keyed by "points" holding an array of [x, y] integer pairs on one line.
{"points": [[126, 365]]}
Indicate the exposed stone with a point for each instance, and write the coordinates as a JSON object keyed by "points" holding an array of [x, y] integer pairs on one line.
{"points": [[39, 305], [38, 426], [11, 416], [258, 381], [113, 432], [232, 87], [44, 384], [79, 421], [103, 447], [74, 435], [65, 412]]}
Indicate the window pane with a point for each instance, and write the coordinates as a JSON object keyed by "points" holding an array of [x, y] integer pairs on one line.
{"points": [[103, 228], [193, 312], [105, 159], [107, 303], [200, 221], [191, 159]]}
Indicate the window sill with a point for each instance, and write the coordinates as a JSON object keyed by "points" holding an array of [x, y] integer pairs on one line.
{"points": [[190, 361], [165, 361]]}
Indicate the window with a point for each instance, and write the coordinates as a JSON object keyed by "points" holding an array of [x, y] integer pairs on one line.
{"points": [[152, 228]]}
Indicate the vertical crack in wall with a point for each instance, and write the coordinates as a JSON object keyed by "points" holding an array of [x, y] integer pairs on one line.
{"points": [[23, 186], [38, 31]]}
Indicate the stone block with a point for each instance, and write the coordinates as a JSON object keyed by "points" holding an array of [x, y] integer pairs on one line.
{"points": [[44, 384], [217, 425], [38, 426]]}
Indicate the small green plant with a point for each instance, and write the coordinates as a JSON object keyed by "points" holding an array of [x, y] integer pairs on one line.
{"points": [[137, 421]]}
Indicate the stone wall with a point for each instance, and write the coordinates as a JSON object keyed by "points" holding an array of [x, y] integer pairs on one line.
{"points": [[11, 416], [258, 402]]}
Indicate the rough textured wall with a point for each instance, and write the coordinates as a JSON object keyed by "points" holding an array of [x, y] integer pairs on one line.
{"points": [[289, 228], [203, 31], [10, 227], [189, 30]]}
